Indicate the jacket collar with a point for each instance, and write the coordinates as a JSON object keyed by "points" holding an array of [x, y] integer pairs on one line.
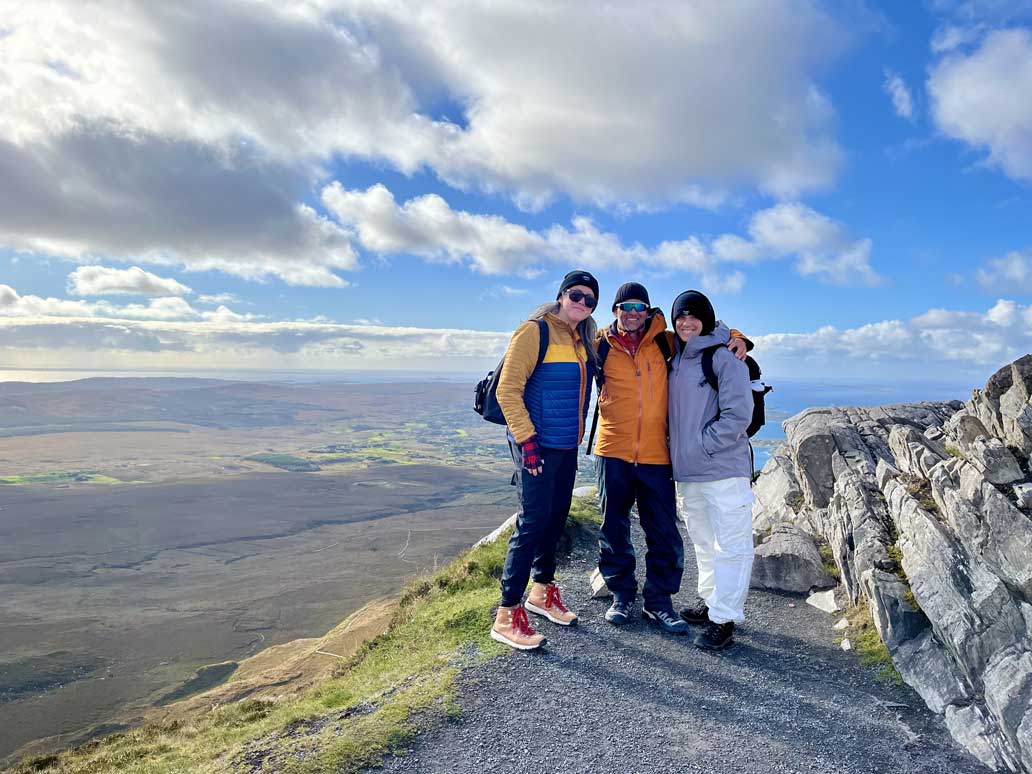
{"points": [[655, 324]]}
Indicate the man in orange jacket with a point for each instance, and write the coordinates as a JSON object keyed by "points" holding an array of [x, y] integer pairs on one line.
{"points": [[634, 461]]}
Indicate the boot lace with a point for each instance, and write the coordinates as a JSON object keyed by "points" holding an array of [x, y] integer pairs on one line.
{"points": [[552, 599], [520, 622]]}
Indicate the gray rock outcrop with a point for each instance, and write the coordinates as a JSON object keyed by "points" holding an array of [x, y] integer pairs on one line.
{"points": [[927, 511], [788, 560]]}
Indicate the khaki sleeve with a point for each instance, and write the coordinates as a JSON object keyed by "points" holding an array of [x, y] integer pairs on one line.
{"points": [[520, 361]]}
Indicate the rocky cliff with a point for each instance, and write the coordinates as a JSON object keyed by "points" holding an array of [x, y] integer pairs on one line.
{"points": [[927, 511]]}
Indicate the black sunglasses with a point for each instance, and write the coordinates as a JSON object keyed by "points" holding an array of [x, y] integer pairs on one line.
{"points": [[578, 295], [632, 306]]}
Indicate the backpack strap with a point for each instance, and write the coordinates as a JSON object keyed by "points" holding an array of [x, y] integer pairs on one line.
{"points": [[707, 366], [664, 347], [602, 353], [543, 342]]}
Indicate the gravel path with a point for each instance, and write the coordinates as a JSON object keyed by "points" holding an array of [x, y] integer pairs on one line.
{"points": [[785, 698]]}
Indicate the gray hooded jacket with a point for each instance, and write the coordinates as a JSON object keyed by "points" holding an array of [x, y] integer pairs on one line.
{"points": [[704, 447]]}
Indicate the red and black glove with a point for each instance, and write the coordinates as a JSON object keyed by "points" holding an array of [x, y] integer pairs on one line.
{"points": [[531, 454]]}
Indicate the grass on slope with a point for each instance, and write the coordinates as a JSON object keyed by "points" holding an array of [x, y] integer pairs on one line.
{"points": [[60, 478], [351, 721]]}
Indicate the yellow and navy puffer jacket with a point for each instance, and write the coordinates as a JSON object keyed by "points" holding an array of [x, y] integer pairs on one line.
{"points": [[549, 401]]}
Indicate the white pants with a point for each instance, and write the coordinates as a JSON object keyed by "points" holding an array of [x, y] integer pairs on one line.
{"points": [[718, 515]]}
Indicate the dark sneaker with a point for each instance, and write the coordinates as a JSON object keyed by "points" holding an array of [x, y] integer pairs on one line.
{"points": [[620, 612], [716, 636], [696, 614], [666, 619]]}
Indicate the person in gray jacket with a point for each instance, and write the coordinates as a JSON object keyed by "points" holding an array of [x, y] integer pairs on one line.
{"points": [[712, 468]]}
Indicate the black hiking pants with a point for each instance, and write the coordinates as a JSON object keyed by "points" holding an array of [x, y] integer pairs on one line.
{"points": [[544, 506], [620, 485]]}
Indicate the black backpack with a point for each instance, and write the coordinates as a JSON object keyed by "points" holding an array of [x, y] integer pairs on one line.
{"points": [[759, 416], [485, 399]]}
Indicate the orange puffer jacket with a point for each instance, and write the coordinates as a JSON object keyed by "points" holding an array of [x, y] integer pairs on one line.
{"points": [[633, 403]]}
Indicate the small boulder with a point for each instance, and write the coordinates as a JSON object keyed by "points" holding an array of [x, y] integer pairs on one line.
{"points": [[599, 589], [824, 600], [788, 560], [995, 460], [1024, 494]]}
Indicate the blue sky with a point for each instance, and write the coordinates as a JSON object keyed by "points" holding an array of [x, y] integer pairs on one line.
{"points": [[354, 184]]}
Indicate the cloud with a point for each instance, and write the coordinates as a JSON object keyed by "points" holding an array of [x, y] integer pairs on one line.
{"points": [[42, 334], [821, 246], [614, 116], [219, 298], [902, 102], [951, 37], [142, 198], [1012, 273], [973, 99], [940, 336], [427, 226], [105, 281], [166, 308]]}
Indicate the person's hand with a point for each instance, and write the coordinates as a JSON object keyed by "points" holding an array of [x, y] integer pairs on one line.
{"points": [[737, 347], [532, 460]]}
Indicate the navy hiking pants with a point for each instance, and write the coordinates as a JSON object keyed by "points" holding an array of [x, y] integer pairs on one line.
{"points": [[620, 485], [544, 506]]}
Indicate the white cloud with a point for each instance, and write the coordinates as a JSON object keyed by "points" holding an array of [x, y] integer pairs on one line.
{"points": [[821, 246], [951, 37], [42, 333], [902, 101], [506, 96], [975, 99], [14, 305], [219, 298], [939, 336], [1012, 273], [105, 281], [428, 227]]}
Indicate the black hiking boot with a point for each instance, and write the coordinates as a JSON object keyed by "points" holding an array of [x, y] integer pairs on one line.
{"points": [[665, 618], [620, 612], [715, 636], [696, 614]]}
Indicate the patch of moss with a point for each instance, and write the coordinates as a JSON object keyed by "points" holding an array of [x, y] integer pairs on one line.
{"points": [[828, 560], [795, 501], [868, 646], [953, 451], [920, 490]]}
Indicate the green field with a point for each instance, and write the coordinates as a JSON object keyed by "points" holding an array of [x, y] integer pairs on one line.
{"points": [[59, 478]]}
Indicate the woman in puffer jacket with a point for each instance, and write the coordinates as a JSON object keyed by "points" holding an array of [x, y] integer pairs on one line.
{"points": [[545, 406], [712, 467]]}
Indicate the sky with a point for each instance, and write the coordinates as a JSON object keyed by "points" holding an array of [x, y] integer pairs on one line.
{"points": [[372, 184]]}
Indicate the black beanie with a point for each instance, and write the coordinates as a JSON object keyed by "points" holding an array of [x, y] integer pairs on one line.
{"points": [[698, 306], [630, 290], [578, 277]]}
